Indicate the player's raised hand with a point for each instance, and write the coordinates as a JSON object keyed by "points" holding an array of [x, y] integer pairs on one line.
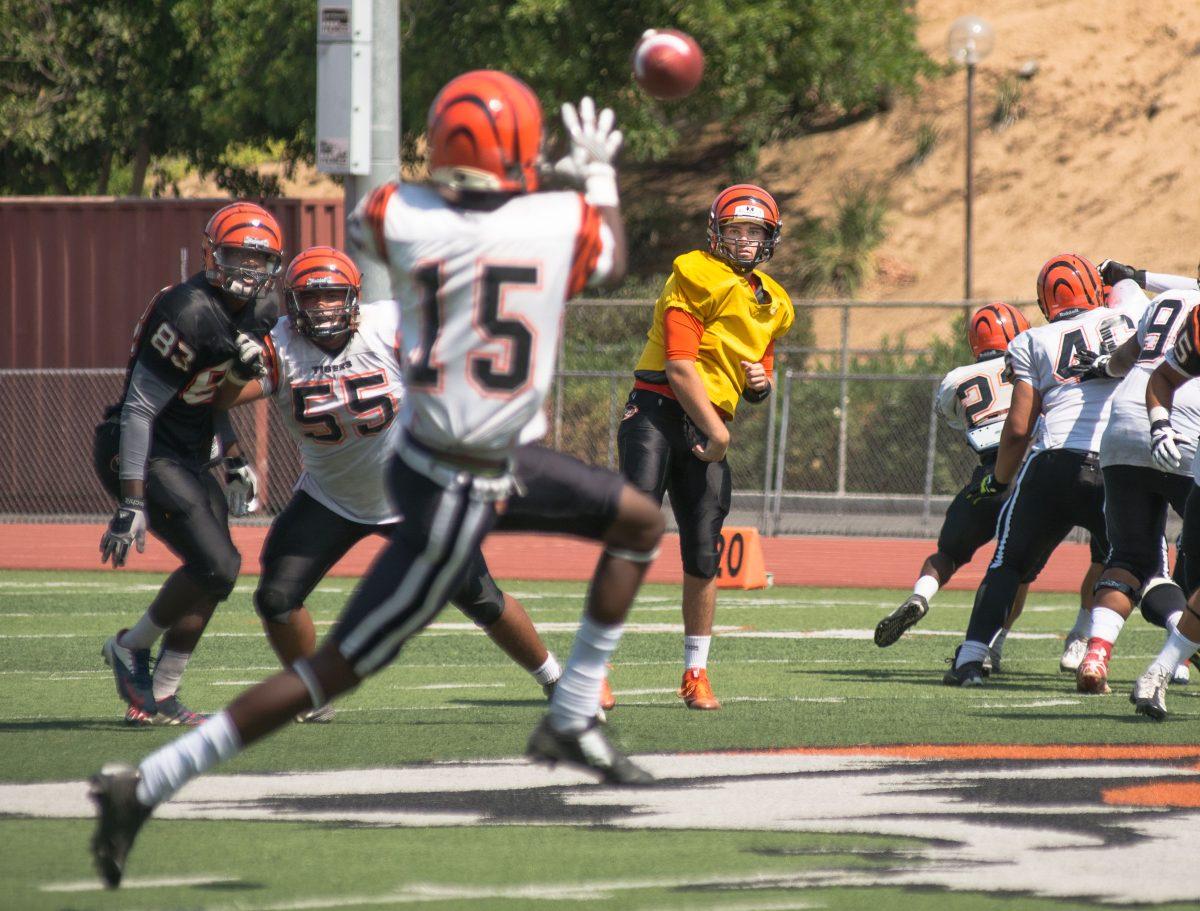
{"points": [[756, 376], [127, 527], [595, 142], [1112, 272]]}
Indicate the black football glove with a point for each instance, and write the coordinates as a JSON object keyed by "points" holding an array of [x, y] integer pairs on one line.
{"points": [[1112, 272], [127, 526], [988, 488], [1089, 365]]}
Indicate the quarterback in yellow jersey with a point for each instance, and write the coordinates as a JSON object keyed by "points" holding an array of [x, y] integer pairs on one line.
{"points": [[711, 344]]}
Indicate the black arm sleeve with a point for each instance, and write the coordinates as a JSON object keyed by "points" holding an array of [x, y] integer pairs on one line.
{"points": [[148, 394]]}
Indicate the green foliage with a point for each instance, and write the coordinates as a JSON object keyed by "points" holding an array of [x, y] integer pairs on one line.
{"points": [[1008, 109], [927, 137], [837, 252], [98, 90]]}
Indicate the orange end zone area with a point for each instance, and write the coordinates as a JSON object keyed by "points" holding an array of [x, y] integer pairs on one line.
{"points": [[833, 562]]}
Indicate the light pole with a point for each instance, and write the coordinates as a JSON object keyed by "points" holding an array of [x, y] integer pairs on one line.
{"points": [[969, 40]]}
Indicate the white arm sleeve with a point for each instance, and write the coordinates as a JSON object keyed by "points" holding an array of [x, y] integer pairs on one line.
{"points": [[1158, 282]]}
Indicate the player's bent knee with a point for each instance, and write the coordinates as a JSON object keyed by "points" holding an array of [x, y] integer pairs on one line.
{"points": [[1161, 599], [274, 604], [483, 611], [1108, 583], [702, 566], [480, 599]]}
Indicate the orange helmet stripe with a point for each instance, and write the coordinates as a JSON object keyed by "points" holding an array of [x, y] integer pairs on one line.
{"points": [[1069, 282]]}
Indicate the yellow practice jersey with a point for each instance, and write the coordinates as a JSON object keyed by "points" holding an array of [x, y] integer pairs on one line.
{"points": [[736, 326]]}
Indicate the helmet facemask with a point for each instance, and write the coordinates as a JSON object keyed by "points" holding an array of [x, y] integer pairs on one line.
{"points": [[742, 247], [323, 311], [243, 270]]}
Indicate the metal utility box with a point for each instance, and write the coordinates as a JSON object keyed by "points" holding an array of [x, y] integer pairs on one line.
{"points": [[344, 86]]}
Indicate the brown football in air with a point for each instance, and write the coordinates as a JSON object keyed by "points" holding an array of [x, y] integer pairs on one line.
{"points": [[667, 64]]}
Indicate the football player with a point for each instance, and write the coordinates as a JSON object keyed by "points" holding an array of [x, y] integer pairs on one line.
{"points": [[154, 450], [973, 399], [1139, 485], [333, 371], [711, 344], [1059, 485], [482, 265]]}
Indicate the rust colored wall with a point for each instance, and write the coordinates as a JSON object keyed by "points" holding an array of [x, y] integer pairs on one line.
{"points": [[78, 272]]}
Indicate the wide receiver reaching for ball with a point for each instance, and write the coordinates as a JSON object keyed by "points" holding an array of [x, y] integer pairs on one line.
{"points": [[333, 370], [711, 344], [482, 266]]}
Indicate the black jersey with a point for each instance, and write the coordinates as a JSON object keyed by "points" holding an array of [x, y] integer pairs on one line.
{"points": [[186, 338]]}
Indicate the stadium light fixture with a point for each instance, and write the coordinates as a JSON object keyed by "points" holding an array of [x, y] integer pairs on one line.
{"points": [[968, 42]]}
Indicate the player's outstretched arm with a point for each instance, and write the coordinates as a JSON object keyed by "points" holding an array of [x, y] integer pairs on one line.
{"points": [[595, 142], [1018, 430]]}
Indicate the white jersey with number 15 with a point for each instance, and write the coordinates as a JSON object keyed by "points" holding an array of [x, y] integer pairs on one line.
{"points": [[482, 294]]}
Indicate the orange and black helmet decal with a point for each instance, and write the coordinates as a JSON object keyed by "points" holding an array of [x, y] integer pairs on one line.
{"points": [[485, 133], [1069, 281], [745, 201], [322, 267], [245, 224], [993, 326]]}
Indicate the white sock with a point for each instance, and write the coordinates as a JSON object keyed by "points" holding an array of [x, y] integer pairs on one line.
{"points": [[695, 651], [998, 641], [168, 671], [1173, 621], [926, 587], [142, 634], [1083, 623], [971, 651], [576, 698], [1106, 624], [168, 769], [550, 670], [1176, 651]]}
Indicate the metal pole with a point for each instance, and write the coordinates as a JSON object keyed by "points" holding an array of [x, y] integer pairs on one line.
{"points": [[385, 130], [844, 401], [930, 455], [970, 219], [781, 459], [770, 453]]}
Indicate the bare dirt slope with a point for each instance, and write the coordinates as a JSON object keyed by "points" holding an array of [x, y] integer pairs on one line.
{"points": [[1103, 160]]}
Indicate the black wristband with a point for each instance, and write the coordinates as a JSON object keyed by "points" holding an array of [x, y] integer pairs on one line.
{"points": [[1160, 424], [754, 397]]}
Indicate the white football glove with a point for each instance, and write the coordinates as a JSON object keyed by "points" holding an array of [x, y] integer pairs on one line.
{"points": [[241, 487], [250, 364], [1164, 445], [594, 147], [126, 528]]}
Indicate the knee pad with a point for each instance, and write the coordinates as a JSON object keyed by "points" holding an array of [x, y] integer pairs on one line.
{"points": [[218, 577], [481, 600], [1127, 590], [273, 604], [1161, 598]]}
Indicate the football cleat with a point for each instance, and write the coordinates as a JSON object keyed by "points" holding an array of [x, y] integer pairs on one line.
{"points": [[136, 718], [1073, 654], [131, 671], [970, 674], [321, 715], [588, 749], [1182, 676], [696, 692], [1149, 696], [607, 700], [120, 816], [1092, 676], [907, 615], [171, 711]]}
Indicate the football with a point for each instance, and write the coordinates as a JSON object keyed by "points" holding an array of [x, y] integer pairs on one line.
{"points": [[667, 64]]}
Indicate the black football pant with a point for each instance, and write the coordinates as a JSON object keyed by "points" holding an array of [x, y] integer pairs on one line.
{"points": [[1136, 499], [1055, 491], [656, 458], [307, 539], [185, 509]]}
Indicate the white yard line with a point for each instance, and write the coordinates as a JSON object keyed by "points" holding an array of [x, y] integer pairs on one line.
{"points": [[136, 882]]}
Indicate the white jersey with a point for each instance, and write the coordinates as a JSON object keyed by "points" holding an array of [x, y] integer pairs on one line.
{"points": [[1127, 439], [1074, 413], [481, 295], [341, 407], [974, 399]]}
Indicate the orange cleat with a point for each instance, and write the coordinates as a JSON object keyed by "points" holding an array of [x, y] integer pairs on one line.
{"points": [[696, 692], [607, 699], [1092, 676]]}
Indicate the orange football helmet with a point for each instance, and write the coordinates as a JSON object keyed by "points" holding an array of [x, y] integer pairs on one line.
{"points": [[743, 203], [1068, 282], [314, 274], [243, 249], [993, 326], [485, 134]]}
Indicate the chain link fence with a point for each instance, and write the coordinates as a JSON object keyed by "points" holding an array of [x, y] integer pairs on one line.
{"points": [[849, 443]]}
